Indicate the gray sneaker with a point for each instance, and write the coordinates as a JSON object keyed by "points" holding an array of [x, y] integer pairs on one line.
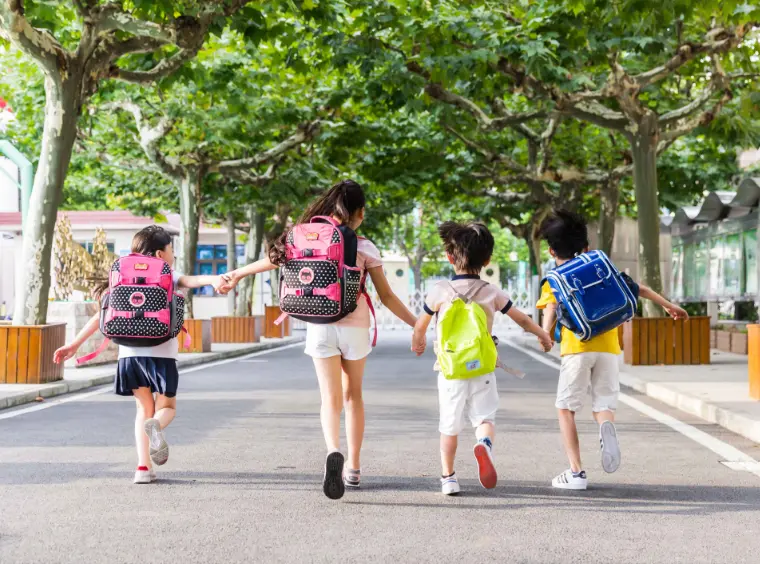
{"points": [[610, 447], [159, 449]]}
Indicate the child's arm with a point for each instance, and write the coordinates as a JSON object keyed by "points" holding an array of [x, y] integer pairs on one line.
{"points": [[550, 316], [419, 339], [388, 298], [232, 278], [68, 351], [673, 310], [531, 327], [190, 282]]}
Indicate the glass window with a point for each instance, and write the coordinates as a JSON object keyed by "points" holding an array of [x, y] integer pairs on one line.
{"points": [[700, 268], [221, 267], [205, 252], [206, 268], [732, 266], [750, 258], [688, 271], [220, 251], [240, 251], [717, 251], [676, 273]]}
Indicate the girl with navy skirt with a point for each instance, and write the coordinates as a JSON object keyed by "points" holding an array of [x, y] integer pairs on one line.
{"points": [[147, 373]]}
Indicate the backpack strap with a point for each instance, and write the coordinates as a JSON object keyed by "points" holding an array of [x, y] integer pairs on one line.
{"points": [[374, 317], [325, 219], [468, 296], [96, 352]]}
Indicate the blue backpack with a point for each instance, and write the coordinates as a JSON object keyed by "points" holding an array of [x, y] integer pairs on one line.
{"points": [[593, 297]]}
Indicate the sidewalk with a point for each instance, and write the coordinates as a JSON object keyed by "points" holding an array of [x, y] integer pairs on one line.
{"points": [[75, 379], [717, 392]]}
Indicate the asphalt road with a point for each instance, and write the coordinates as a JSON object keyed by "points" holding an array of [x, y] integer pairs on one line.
{"points": [[243, 480]]}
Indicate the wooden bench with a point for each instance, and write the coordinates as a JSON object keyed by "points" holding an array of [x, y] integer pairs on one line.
{"points": [[27, 353], [237, 329], [662, 340]]}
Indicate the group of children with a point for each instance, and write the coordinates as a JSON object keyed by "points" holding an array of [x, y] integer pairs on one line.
{"points": [[339, 351]]}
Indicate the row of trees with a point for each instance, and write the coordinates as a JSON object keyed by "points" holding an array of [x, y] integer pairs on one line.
{"points": [[239, 111]]}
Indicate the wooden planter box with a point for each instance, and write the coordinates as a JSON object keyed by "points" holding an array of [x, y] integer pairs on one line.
{"points": [[753, 358], [271, 330], [199, 331], [739, 343], [237, 329], [28, 353], [713, 338], [662, 340], [723, 340]]}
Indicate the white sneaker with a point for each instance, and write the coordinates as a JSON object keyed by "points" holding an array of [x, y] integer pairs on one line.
{"points": [[159, 448], [153, 476], [450, 485], [568, 481], [610, 447], [142, 475]]}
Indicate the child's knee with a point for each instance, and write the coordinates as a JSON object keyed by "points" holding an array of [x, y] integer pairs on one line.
{"points": [[352, 397]]}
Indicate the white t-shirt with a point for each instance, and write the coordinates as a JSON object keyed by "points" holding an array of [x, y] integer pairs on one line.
{"points": [[169, 349]]}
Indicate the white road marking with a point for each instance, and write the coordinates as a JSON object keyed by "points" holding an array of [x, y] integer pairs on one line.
{"points": [[732, 457], [108, 387]]}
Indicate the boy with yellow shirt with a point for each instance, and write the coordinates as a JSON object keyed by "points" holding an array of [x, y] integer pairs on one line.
{"points": [[591, 364]]}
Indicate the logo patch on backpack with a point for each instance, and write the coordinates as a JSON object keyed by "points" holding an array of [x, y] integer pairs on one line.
{"points": [[140, 266], [473, 365], [306, 275], [312, 236], [137, 299]]}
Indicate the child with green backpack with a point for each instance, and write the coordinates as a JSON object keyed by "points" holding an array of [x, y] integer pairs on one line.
{"points": [[466, 352]]}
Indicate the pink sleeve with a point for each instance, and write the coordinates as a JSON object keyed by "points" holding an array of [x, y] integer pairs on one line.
{"points": [[502, 302], [371, 254], [433, 300]]}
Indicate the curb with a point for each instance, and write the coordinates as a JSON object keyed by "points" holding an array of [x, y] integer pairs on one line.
{"points": [[108, 373], [740, 424]]}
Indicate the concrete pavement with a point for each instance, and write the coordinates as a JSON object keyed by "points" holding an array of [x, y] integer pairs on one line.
{"points": [[243, 480]]}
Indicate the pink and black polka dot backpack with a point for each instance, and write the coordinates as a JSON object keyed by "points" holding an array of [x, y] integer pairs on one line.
{"points": [[320, 282], [140, 308]]}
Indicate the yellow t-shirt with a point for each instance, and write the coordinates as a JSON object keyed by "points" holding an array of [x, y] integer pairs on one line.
{"points": [[604, 343]]}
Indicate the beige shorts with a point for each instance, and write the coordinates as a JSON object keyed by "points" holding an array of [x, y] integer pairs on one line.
{"points": [[476, 399], [584, 372], [325, 341]]}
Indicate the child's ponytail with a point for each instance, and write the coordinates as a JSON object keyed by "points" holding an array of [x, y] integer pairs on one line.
{"points": [[341, 201]]}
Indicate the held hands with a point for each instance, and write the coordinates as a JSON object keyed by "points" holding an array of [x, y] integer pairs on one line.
{"points": [[676, 312], [419, 343], [64, 353], [227, 282], [545, 341]]}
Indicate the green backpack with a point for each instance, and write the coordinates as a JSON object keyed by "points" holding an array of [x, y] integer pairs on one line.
{"points": [[464, 344]]}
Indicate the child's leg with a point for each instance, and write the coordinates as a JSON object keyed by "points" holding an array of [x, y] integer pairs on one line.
{"points": [[605, 388], [570, 438], [353, 374], [448, 454], [329, 375], [166, 409], [486, 430], [145, 410]]}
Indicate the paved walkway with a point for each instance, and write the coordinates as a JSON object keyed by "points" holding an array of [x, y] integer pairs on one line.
{"points": [[716, 392], [77, 379], [243, 480]]}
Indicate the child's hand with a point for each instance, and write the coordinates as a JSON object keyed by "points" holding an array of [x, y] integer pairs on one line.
{"points": [[221, 286], [545, 341], [419, 343], [676, 312], [64, 353]]}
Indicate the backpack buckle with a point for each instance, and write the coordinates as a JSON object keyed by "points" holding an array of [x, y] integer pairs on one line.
{"points": [[139, 280], [307, 291], [307, 252]]}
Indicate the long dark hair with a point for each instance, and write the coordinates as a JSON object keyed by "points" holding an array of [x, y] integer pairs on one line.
{"points": [[341, 201]]}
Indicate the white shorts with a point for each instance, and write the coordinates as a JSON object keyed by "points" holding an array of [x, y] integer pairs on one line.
{"points": [[475, 398], [325, 341], [597, 372]]}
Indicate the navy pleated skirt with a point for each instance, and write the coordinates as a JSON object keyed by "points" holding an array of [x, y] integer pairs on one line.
{"points": [[158, 374]]}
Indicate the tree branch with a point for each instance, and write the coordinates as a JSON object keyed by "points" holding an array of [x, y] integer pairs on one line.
{"points": [[718, 81], [163, 68], [687, 125], [39, 44], [596, 113], [306, 132], [111, 17], [149, 137], [489, 155]]}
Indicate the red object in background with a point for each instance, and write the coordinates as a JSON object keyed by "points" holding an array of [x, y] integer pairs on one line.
{"points": [[3, 104]]}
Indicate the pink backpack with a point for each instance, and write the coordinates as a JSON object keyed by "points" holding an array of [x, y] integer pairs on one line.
{"points": [[140, 308], [320, 282]]}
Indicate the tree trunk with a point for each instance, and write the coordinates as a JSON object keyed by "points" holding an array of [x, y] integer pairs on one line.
{"points": [[231, 259], [62, 110], [189, 211], [644, 150], [608, 207], [252, 254]]}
